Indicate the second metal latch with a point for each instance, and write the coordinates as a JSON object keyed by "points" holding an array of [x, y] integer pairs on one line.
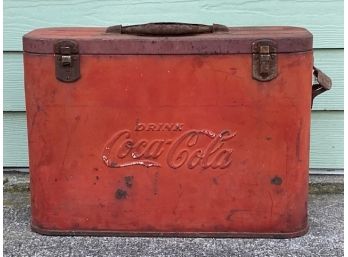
{"points": [[67, 60], [264, 60]]}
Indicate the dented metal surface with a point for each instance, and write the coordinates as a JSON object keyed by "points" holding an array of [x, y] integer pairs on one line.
{"points": [[188, 145]]}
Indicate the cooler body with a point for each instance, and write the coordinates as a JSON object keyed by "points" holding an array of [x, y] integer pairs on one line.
{"points": [[188, 144]]}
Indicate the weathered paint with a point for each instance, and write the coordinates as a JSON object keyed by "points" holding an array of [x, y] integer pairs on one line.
{"points": [[330, 61], [232, 152], [234, 40]]}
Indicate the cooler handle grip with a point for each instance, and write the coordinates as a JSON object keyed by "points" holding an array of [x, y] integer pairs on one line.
{"points": [[322, 84], [166, 29]]}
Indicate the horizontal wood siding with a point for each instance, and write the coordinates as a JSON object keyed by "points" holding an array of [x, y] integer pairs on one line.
{"points": [[326, 139], [323, 18], [15, 140]]}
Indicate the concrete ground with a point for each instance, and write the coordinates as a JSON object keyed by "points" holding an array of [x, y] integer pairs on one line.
{"points": [[325, 237]]}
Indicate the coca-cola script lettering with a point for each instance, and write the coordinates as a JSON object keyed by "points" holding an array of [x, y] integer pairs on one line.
{"points": [[192, 148]]}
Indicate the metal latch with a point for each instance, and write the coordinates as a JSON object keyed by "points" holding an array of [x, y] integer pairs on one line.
{"points": [[67, 60], [264, 60]]}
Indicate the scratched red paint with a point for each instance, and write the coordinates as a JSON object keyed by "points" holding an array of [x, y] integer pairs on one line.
{"points": [[169, 145]]}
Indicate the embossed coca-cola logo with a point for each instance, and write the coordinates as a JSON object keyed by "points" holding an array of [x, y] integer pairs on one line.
{"points": [[193, 148]]}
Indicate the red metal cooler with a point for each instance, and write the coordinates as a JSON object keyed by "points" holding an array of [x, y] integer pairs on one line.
{"points": [[170, 129]]}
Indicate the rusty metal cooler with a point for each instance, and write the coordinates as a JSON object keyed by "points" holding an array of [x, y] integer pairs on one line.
{"points": [[170, 129]]}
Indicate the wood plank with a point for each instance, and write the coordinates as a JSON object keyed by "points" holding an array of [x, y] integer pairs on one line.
{"points": [[15, 144], [329, 60], [327, 146], [323, 18], [326, 140], [13, 87]]}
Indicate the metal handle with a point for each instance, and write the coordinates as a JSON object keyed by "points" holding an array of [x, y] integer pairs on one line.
{"points": [[166, 29], [323, 83]]}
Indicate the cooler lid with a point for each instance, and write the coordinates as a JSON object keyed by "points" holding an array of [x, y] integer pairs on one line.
{"points": [[168, 38]]}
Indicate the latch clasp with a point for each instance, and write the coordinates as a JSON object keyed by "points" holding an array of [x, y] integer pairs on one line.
{"points": [[264, 60], [67, 60]]}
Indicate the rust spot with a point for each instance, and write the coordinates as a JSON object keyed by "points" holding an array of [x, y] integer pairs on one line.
{"points": [[121, 194], [113, 165], [215, 181], [76, 226], [276, 181], [233, 71], [96, 169], [97, 177], [129, 181], [77, 118], [150, 228], [219, 227], [232, 212], [229, 216], [55, 180], [268, 138]]}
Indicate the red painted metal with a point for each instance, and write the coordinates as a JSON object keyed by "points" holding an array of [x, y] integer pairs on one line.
{"points": [[187, 145]]}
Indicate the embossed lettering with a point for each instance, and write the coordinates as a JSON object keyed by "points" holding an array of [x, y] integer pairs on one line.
{"points": [[155, 149], [207, 157], [195, 158], [176, 157], [139, 149], [139, 126], [151, 127], [201, 149], [178, 127]]}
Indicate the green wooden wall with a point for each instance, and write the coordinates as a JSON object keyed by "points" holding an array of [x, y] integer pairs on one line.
{"points": [[323, 18]]}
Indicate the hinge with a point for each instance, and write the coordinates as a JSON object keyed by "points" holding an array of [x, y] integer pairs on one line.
{"points": [[67, 60], [264, 60]]}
